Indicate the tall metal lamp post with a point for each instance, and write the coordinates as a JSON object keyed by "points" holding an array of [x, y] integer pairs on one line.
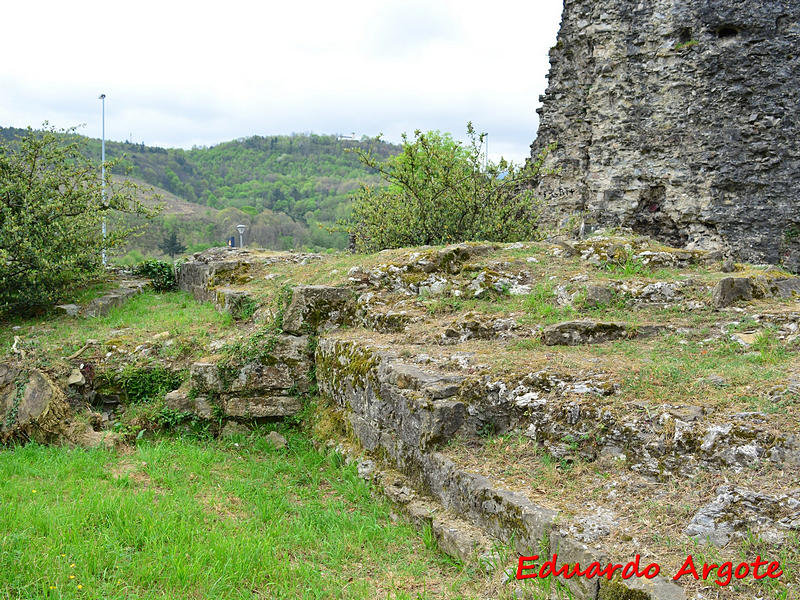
{"points": [[241, 229], [103, 174]]}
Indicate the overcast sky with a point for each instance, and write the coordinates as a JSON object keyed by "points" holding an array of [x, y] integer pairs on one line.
{"points": [[198, 73]]}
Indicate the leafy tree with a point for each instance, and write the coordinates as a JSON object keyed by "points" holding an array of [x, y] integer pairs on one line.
{"points": [[439, 191], [51, 209], [171, 246]]}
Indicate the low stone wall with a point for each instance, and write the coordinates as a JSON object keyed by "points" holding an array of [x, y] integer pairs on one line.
{"points": [[269, 385], [401, 413], [99, 307], [423, 409], [211, 270]]}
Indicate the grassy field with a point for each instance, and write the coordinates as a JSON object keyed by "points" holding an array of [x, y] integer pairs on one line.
{"points": [[191, 325], [187, 518]]}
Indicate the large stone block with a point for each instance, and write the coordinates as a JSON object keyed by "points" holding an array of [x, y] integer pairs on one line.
{"points": [[576, 333], [33, 407], [262, 406], [257, 377], [210, 270], [315, 308], [205, 377], [182, 401], [731, 290]]}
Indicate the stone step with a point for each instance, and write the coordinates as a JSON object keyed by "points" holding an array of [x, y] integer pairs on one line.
{"points": [[101, 306]]}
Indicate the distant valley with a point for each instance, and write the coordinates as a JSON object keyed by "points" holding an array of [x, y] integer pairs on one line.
{"points": [[287, 189]]}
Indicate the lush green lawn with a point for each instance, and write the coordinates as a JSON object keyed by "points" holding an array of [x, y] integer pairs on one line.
{"points": [[182, 518]]}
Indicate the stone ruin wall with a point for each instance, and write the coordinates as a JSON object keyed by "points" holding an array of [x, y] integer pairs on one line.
{"points": [[680, 120]]}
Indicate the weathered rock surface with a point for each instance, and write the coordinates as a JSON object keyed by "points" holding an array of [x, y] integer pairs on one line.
{"points": [[32, 407], [446, 260], [314, 308], [598, 295], [738, 512], [577, 333], [276, 440], [373, 313], [238, 303], [731, 290], [741, 289], [182, 401], [424, 409], [475, 326], [262, 406], [212, 269], [675, 119], [70, 310], [615, 249]]}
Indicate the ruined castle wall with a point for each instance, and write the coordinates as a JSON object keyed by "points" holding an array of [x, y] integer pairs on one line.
{"points": [[681, 120]]}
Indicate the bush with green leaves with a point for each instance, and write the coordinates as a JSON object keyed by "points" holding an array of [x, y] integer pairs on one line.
{"points": [[141, 383], [51, 211], [160, 272], [440, 191]]}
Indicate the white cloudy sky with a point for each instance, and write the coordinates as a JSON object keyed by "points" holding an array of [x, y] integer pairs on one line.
{"points": [[197, 73]]}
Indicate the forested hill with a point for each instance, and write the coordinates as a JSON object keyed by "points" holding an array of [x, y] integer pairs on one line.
{"points": [[306, 177]]}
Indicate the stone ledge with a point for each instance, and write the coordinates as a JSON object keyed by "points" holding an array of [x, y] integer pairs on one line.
{"points": [[386, 423]]}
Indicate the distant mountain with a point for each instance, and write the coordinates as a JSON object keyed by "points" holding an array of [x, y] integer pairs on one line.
{"points": [[287, 188]]}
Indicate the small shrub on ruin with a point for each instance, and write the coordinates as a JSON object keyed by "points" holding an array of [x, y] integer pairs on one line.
{"points": [[440, 191]]}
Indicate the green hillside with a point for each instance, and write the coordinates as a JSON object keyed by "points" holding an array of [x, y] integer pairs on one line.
{"points": [[286, 188]]}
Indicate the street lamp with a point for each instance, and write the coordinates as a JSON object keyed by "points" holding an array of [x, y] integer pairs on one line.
{"points": [[241, 229], [486, 157], [103, 174]]}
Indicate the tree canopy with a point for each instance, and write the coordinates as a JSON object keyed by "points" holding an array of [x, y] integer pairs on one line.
{"points": [[440, 191], [171, 245], [51, 210]]}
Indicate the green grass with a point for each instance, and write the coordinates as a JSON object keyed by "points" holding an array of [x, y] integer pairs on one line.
{"points": [[91, 291], [687, 44], [178, 518], [189, 322], [678, 364]]}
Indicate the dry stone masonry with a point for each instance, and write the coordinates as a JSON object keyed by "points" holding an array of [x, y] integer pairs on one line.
{"points": [[680, 120], [508, 396], [409, 388]]}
